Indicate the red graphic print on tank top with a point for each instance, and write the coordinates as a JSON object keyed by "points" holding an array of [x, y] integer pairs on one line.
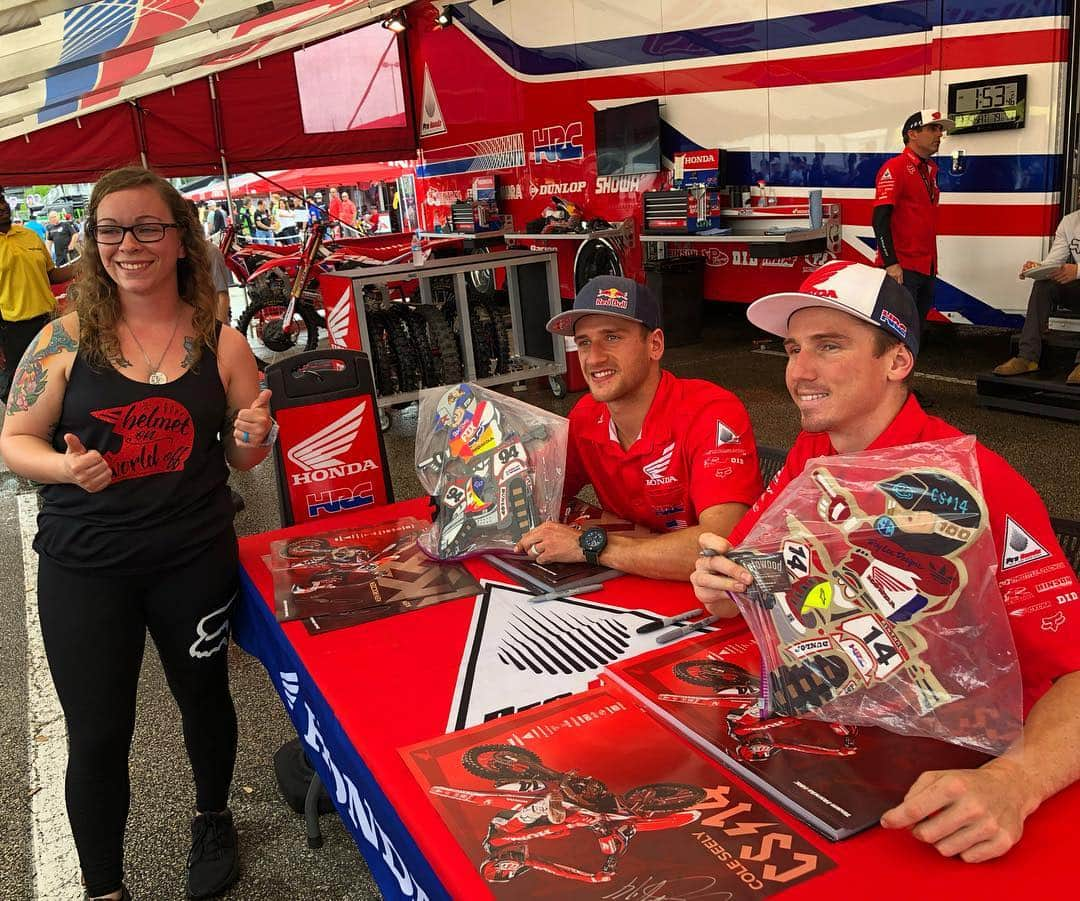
{"points": [[156, 436]]}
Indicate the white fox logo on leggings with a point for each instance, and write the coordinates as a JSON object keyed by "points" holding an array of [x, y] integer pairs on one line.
{"points": [[212, 632]]}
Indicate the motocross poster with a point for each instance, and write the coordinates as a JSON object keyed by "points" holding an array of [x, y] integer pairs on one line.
{"points": [[344, 577], [590, 797], [839, 779]]}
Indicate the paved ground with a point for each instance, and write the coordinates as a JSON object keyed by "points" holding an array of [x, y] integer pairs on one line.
{"points": [[276, 862]]}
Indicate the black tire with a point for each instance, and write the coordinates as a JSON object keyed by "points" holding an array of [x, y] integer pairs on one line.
{"points": [[482, 281], [499, 311], [558, 385], [595, 257], [410, 377], [444, 348], [485, 350], [426, 356], [663, 797], [715, 674], [263, 313], [808, 685], [382, 354], [502, 762]]}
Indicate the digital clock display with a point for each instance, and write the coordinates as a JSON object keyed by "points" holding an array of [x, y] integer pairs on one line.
{"points": [[989, 104], [987, 97]]}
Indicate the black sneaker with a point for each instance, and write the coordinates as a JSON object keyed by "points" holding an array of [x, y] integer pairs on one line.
{"points": [[214, 861]]}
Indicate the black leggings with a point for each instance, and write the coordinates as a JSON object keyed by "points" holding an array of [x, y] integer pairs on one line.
{"points": [[94, 625]]}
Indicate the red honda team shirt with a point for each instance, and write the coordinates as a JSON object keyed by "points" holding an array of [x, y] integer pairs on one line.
{"points": [[696, 450], [908, 183], [1037, 583]]}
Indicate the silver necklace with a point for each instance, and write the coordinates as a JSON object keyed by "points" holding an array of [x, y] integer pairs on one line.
{"points": [[157, 377]]}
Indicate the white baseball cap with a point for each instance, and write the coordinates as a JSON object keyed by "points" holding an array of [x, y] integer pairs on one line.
{"points": [[862, 291]]}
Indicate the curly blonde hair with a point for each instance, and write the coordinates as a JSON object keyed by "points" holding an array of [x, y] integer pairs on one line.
{"points": [[94, 292]]}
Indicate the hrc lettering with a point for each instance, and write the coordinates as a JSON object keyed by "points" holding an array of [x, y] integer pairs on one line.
{"points": [[337, 499]]}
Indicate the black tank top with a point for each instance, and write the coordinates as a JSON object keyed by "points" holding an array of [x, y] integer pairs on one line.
{"points": [[168, 499]]}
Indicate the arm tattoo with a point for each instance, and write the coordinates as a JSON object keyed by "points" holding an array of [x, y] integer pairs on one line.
{"points": [[189, 353], [31, 376]]}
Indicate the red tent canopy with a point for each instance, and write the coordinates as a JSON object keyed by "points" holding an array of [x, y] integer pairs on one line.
{"points": [[251, 114], [331, 176]]}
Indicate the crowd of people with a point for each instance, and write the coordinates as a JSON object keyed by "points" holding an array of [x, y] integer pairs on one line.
{"points": [[138, 538], [286, 218]]}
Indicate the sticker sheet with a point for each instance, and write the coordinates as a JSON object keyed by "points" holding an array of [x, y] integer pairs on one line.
{"points": [[874, 598]]}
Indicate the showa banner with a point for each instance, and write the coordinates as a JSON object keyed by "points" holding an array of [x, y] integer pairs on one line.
{"points": [[875, 600]]}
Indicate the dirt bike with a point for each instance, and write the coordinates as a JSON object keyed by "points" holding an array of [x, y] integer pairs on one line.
{"points": [[285, 311], [537, 802], [738, 689]]}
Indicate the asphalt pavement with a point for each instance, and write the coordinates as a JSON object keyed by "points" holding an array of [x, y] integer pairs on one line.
{"points": [[276, 863]]}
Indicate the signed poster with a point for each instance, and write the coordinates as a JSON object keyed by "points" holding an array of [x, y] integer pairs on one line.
{"points": [[839, 779], [589, 797], [350, 576]]}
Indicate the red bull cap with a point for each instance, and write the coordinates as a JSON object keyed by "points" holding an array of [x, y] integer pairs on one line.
{"points": [[611, 296]]}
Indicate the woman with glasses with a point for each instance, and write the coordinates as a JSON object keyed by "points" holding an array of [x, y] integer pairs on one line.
{"points": [[128, 410]]}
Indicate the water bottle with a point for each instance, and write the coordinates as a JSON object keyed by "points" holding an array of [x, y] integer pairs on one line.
{"points": [[417, 250]]}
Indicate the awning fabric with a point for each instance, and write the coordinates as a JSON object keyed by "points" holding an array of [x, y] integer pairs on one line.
{"points": [[103, 113], [300, 179]]}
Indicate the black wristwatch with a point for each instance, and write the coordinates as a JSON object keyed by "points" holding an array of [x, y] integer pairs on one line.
{"points": [[593, 541]]}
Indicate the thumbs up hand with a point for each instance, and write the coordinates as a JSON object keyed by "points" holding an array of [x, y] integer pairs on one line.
{"points": [[253, 423], [87, 469]]}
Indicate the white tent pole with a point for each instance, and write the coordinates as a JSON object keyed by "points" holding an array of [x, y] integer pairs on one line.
{"points": [[221, 145]]}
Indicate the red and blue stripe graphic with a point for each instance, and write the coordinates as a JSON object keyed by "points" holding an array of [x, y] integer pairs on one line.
{"points": [[89, 69], [877, 20]]}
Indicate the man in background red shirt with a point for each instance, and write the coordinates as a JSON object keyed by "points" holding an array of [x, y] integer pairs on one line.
{"points": [[347, 213], [906, 207]]}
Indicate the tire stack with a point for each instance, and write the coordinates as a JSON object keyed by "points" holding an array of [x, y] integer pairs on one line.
{"points": [[418, 346]]}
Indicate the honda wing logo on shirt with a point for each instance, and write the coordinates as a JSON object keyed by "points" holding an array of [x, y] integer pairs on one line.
{"points": [[319, 455], [656, 472]]}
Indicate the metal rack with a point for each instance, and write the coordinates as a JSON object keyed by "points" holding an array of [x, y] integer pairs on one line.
{"points": [[620, 231], [458, 268], [749, 226], [473, 236]]}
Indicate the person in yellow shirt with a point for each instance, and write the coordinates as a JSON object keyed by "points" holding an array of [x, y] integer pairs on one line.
{"points": [[26, 302]]}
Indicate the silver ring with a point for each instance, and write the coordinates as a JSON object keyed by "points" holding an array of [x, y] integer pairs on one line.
{"points": [[246, 437], [534, 551]]}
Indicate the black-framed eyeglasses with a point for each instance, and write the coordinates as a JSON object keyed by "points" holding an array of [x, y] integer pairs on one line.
{"points": [[144, 232]]}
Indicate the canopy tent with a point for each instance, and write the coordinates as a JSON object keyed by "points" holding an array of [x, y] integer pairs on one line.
{"points": [[192, 86], [300, 180], [238, 184]]}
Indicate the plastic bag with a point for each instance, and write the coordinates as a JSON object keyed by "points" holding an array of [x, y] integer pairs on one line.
{"points": [[875, 599], [494, 465]]}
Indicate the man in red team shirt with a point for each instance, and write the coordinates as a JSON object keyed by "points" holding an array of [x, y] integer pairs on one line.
{"points": [[906, 206], [851, 335], [676, 456]]}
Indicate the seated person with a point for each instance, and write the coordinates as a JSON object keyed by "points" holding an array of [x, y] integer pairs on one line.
{"points": [[852, 335], [1060, 288], [676, 456]]}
